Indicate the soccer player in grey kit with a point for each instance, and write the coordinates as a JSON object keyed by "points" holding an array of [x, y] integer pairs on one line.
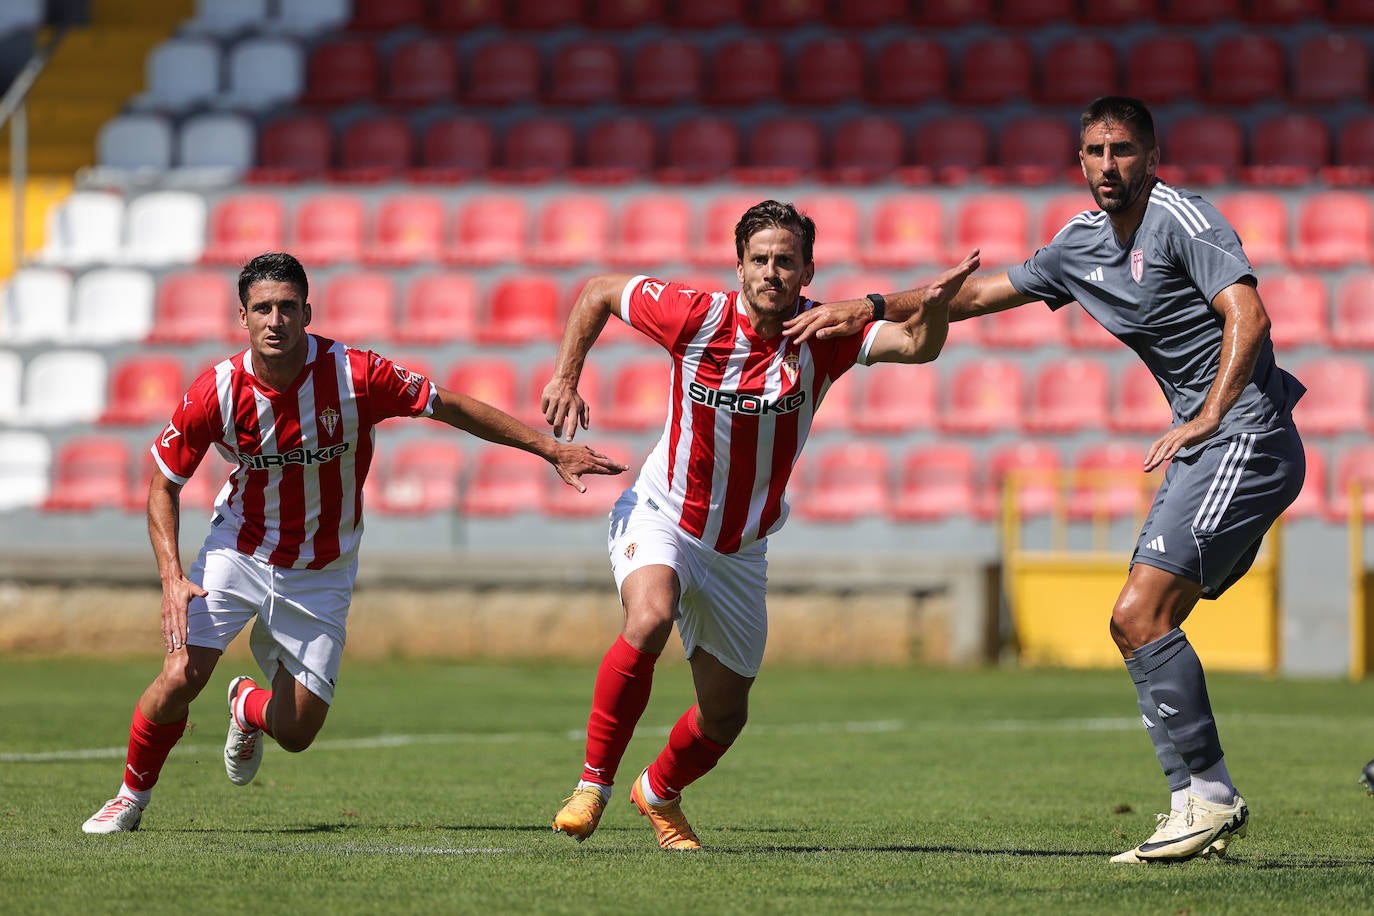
{"points": [[1162, 270]]}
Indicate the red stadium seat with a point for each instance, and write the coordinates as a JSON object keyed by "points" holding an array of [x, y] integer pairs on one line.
{"points": [[194, 307], [707, 14], [700, 148], [328, 229], [1312, 501], [1123, 12], [503, 71], [896, 399], [358, 309], [488, 229], [842, 483], [584, 72], [1037, 149], [571, 229], [1025, 327], [665, 72], [491, 381], [936, 482], [243, 226], [953, 148], [453, 148], [408, 229], [745, 71], [561, 500], [522, 309], [1353, 12], [1334, 229], [627, 14], [1284, 12], [867, 148], [1164, 68], [621, 148], [544, 14], [837, 286], [982, 397], [538, 149], [1329, 69], [786, 14], [1198, 12], [1110, 483], [1030, 470], [1298, 311], [716, 244], [439, 309], [940, 14], [1031, 13], [89, 472], [385, 15], [837, 229], [144, 389], [1085, 333], [653, 229], [422, 71], [464, 15], [906, 230], [1354, 465], [1353, 324], [1056, 212], [1337, 398], [1245, 69], [1078, 68], [375, 149], [1288, 149], [995, 70], [638, 395], [1207, 149], [1261, 220], [294, 148], [867, 15], [503, 482], [342, 72], [1355, 150], [1139, 405], [998, 224], [909, 71], [827, 71], [420, 477], [1069, 396]]}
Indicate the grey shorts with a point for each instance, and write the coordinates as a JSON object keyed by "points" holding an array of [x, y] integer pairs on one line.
{"points": [[1214, 507]]}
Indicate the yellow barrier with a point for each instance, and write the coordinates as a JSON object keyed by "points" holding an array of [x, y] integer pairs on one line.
{"points": [[1061, 600], [1361, 591]]}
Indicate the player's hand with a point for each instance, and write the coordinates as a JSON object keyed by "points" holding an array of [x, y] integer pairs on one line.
{"points": [[1196, 430], [572, 461], [943, 289], [176, 595], [563, 407], [834, 319]]}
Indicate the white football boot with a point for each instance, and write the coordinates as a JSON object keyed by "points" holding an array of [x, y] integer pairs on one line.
{"points": [[1200, 830], [118, 815], [243, 747]]}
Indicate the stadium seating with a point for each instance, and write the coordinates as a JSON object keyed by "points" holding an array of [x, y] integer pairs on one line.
{"points": [[263, 73], [1244, 69], [638, 395], [936, 482], [86, 228], [1197, 12], [619, 149], [1313, 501], [243, 226], [1164, 68], [1355, 151], [1355, 465], [983, 396], [89, 472], [439, 309], [11, 376], [1031, 471], [1334, 229], [998, 224], [1024, 327], [1139, 405], [464, 15], [111, 305], [503, 71], [144, 389], [1085, 333], [560, 500], [994, 70], [1284, 12], [25, 460], [454, 148], [1337, 398], [180, 74], [1299, 313], [504, 482], [358, 309], [782, 149], [1203, 148], [407, 229], [521, 309], [905, 230], [651, 229], [1056, 212], [1077, 68], [328, 229], [745, 71], [866, 148], [1329, 69], [715, 246], [193, 307], [491, 380], [827, 71], [164, 228], [1036, 149], [136, 142], [421, 71], [217, 140], [700, 147], [488, 229], [377, 148], [571, 229], [225, 20], [837, 228], [896, 399], [420, 477], [311, 17], [385, 15], [836, 413], [543, 15], [849, 285], [584, 72], [1260, 218], [293, 148], [537, 149], [1352, 324], [706, 14], [1287, 149], [664, 72], [1032, 13], [1109, 482], [842, 483], [908, 71], [938, 14], [786, 14], [1069, 396], [867, 15], [38, 305], [628, 14]]}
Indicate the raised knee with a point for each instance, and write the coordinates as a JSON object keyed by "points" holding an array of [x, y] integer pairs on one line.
{"points": [[294, 742]]}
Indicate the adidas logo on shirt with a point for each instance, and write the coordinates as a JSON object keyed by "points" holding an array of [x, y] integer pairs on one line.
{"points": [[1156, 545], [1095, 275]]}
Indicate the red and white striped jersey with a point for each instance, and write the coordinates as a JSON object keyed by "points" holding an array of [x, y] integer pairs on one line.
{"points": [[740, 408], [295, 500]]}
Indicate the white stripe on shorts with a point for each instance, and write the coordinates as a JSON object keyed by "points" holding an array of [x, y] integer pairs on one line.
{"points": [[1224, 483]]}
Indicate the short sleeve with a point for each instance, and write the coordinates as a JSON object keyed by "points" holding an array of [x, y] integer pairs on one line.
{"points": [[1211, 251], [660, 309], [395, 391], [195, 424], [1040, 277]]}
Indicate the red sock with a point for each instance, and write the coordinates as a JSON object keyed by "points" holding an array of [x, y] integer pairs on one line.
{"points": [[149, 745], [622, 690], [255, 708], [688, 756]]}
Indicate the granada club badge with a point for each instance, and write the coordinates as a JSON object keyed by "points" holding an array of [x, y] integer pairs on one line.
{"points": [[1137, 264]]}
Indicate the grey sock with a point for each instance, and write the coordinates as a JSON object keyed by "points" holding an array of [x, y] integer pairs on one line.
{"points": [[1169, 760], [1178, 692]]}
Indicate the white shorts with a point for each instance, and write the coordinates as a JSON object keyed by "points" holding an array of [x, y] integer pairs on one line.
{"points": [[300, 614], [723, 606]]}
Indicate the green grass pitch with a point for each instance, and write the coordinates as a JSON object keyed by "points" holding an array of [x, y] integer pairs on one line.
{"points": [[432, 788]]}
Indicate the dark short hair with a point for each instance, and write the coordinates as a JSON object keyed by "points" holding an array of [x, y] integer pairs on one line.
{"points": [[1124, 110], [771, 214], [275, 265]]}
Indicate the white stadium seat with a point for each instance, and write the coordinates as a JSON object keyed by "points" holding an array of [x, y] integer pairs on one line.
{"points": [[216, 140], [38, 305], [163, 228], [112, 305], [25, 462], [11, 374], [181, 73], [86, 228], [310, 17], [225, 20], [263, 73], [135, 141], [63, 386]]}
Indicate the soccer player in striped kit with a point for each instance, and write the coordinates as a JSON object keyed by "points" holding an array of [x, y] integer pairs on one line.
{"points": [[296, 412], [688, 540], [1162, 270]]}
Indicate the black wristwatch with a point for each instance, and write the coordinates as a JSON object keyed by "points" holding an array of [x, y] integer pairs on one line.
{"points": [[879, 305]]}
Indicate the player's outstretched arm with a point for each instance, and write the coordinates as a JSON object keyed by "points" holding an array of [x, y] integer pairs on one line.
{"points": [[977, 296], [164, 522], [562, 406], [494, 425], [921, 337]]}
